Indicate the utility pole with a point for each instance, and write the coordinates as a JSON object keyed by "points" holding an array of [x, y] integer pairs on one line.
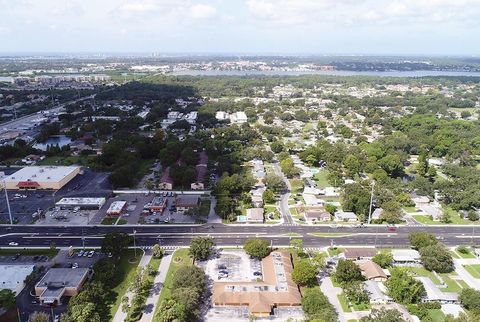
{"points": [[371, 204], [8, 202], [134, 243]]}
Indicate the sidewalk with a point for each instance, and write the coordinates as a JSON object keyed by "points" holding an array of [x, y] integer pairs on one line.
{"points": [[157, 286], [331, 292], [120, 316]]}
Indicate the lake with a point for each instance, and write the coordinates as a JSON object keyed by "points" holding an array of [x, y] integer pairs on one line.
{"points": [[416, 73], [61, 140]]}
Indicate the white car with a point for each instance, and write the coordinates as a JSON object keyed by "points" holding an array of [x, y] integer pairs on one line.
{"points": [[13, 244]]}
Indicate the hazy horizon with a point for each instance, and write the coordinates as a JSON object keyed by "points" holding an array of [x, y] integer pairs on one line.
{"points": [[283, 27]]}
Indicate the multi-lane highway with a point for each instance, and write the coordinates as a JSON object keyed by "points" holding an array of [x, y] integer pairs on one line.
{"points": [[225, 235]]}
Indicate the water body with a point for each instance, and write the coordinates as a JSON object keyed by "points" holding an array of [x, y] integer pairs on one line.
{"points": [[60, 140], [416, 73], [6, 79]]}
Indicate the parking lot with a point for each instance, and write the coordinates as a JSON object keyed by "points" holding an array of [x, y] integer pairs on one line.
{"points": [[24, 204], [233, 265], [61, 217]]}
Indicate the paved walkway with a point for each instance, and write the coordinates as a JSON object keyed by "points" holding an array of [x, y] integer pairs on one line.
{"points": [[331, 293], [464, 274], [120, 316], [154, 295]]}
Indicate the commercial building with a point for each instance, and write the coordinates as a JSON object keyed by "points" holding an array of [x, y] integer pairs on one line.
{"points": [[41, 177], [60, 282], [82, 203], [158, 204], [260, 297], [116, 208], [187, 202], [255, 215], [12, 277]]}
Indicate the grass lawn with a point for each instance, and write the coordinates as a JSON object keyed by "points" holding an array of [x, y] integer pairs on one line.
{"points": [[127, 273], [293, 211], [420, 271], [29, 252], [321, 179], [108, 221], [344, 303], [122, 221], [474, 270], [410, 209], [68, 160], [297, 185], [180, 258], [452, 285], [465, 255], [361, 307], [334, 251], [463, 284], [436, 315], [454, 254], [204, 208], [291, 201]]}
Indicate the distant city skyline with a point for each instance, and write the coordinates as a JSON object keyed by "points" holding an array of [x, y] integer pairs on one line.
{"points": [[311, 27]]}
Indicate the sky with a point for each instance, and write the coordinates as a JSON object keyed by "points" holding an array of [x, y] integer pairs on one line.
{"points": [[379, 27]]}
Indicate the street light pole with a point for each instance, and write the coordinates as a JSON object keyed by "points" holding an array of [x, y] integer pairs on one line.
{"points": [[134, 243], [371, 204], [8, 202]]}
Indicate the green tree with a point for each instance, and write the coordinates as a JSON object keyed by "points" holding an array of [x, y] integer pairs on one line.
{"points": [[356, 198], [418, 240], [470, 299], [317, 307], [201, 248], [116, 243], [7, 299], [171, 311], [330, 208], [347, 271], [318, 259], [85, 312], [106, 271], [297, 245], [392, 212], [275, 183], [268, 196], [258, 248], [39, 317], [383, 315], [304, 273], [392, 164], [352, 165], [355, 293], [437, 258], [157, 251], [192, 277], [403, 288], [383, 259]]}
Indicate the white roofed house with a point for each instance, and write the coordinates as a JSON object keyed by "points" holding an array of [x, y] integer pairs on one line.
{"points": [[341, 215], [377, 292], [406, 257], [433, 209], [434, 294], [238, 118], [255, 215], [377, 213]]}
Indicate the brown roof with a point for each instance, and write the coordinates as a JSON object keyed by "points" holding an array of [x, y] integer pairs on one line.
{"points": [[371, 270], [316, 214], [354, 253], [276, 288]]}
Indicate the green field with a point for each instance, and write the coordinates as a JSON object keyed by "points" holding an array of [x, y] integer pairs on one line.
{"points": [[68, 160], [108, 221], [344, 303], [29, 252], [455, 220], [321, 179], [452, 285], [436, 315], [204, 208], [127, 273], [420, 271], [297, 185], [474, 270]]}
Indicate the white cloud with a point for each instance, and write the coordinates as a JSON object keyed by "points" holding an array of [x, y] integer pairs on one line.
{"points": [[364, 11], [202, 11]]}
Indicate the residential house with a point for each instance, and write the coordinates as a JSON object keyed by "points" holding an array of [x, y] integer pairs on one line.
{"points": [[348, 216], [434, 294], [359, 253], [317, 215], [377, 213], [186, 202], [376, 293], [166, 183], [372, 271], [406, 257]]}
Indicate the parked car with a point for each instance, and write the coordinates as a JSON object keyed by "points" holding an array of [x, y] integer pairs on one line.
{"points": [[257, 274], [91, 253], [13, 244], [80, 253], [75, 265], [221, 266]]}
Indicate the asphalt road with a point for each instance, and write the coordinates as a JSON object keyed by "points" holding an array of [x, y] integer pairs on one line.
{"points": [[176, 235]]}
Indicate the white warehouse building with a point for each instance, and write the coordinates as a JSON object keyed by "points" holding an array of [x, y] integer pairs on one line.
{"points": [[40, 177]]}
